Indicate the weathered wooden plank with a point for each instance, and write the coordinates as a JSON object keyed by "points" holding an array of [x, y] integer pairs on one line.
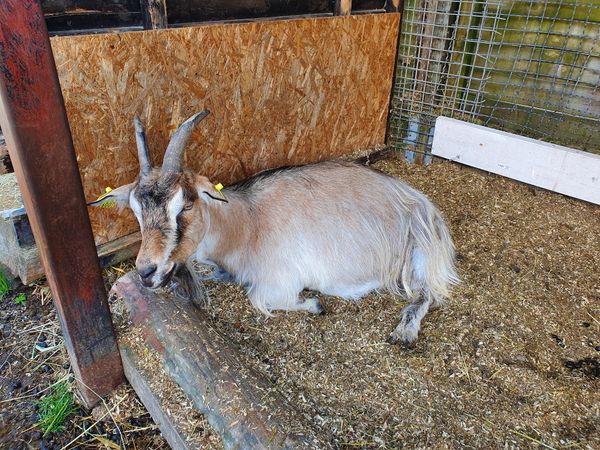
{"points": [[68, 15], [169, 428], [279, 92], [244, 408], [21, 262], [549, 166], [35, 124], [85, 20], [119, 250], [24, 261], [65, 6]]}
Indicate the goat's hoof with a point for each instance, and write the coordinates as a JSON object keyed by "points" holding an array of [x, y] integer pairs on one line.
{"points": [[317, 310], [400, 337], [313, 306], [201, 303]]}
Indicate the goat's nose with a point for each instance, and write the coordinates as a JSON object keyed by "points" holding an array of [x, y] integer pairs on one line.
{"points": [[146, 272]]}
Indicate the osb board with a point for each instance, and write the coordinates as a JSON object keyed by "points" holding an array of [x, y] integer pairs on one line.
{"points": [[280, 92]]}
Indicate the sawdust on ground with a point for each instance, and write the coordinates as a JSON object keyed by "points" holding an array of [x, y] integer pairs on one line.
{"points": [[511, 360]]}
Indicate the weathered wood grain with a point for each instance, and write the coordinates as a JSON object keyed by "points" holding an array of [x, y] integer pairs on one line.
{"points": [[549, 166], [169, 427], [280, 92], [24, 261], [244, 408], [37, 133]]}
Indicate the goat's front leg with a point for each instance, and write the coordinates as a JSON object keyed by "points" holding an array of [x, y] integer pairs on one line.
{"points": [[222, 276], [219, 275], [275, 298]]}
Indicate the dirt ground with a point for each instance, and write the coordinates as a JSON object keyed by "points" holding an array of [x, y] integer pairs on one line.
{"points": [[32, 358], [512, 360]]}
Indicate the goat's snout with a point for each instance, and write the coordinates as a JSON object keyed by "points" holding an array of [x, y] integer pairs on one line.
{"points": [[145, 273]]}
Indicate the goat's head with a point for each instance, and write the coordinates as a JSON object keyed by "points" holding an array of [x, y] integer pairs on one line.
{"points": [[167, 205]]}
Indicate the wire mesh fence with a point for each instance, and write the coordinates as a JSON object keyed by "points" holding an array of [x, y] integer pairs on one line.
{"points": [[528, 67]]}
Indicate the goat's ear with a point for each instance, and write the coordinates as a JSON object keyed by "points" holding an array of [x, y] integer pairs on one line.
{"points": [[209, 191], [118, 197]]}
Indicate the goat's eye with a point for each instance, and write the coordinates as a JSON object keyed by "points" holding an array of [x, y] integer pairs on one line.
{"points": [[188, 207]]}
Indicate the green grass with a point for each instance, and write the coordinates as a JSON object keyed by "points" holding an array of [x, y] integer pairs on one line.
{"points": [[21, 299], [4, 285], [55, 408]]}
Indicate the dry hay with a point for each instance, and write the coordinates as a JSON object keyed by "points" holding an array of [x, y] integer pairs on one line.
{"points": [[512, 359], [33, 358]]}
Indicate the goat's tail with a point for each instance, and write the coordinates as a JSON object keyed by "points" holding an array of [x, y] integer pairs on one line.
{"points": [[429, 268]]}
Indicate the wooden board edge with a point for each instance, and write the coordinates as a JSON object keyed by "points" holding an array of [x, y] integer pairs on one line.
{"points": [[168, 428], [26, 263], [553, 167]]}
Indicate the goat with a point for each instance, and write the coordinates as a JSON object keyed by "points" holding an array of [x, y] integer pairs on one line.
{"points": [[335, 227]]}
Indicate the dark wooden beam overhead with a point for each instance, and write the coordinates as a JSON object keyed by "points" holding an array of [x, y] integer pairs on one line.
{"points": [[65, 6], [68, 15], [370, 5], [188, 11], [34, 121]]}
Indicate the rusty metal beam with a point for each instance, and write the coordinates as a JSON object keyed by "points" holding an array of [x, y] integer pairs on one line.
{"points": [[34, 122]]}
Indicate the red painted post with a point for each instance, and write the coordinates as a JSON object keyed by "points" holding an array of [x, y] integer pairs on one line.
{"points": [[34, 121]]}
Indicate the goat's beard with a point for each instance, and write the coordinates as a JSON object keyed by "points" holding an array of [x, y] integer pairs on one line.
{"points": [[169, 276], [186, 284]]}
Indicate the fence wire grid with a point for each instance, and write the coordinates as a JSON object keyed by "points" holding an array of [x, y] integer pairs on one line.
{"points": [[527, 67]]}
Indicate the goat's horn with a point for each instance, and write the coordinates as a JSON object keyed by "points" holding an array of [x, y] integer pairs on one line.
{"points": [[174, 153], [142, 146]]}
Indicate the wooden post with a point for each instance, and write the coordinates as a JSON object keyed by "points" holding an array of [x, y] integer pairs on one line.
{"points": [[154, 13], [393, 5], [343, 7], [35, 125]]}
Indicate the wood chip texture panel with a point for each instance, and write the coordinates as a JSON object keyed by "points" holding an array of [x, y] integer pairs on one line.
{"points": [[280, 92]]}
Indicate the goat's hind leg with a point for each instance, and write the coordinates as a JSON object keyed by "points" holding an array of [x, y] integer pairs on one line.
{"points": [[407, 330]]}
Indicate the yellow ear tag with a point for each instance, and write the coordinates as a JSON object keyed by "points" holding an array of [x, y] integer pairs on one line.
{"points": [[109, 203], [219, 187]]}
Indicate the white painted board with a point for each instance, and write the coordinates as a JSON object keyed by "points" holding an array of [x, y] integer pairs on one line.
{"points": [[549, 166]]}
